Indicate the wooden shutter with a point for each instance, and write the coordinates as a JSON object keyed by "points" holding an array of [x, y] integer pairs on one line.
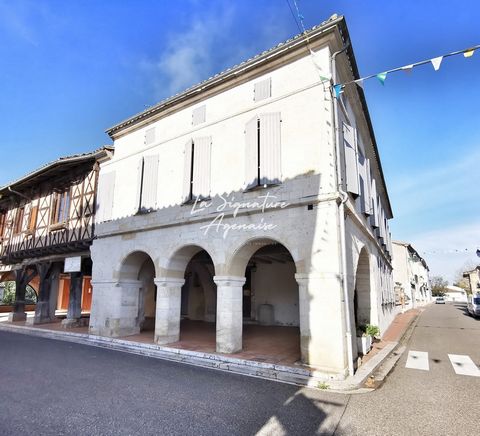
{"points": [[201, 167], [150, 182], [373, 201], [138, 195], [32, 220], [362, 180], [199, 115], [350, 149], [150, 136], [262, 89], [368, 189], [187, 171], [105, 193], [251, 153], [270, 148]]}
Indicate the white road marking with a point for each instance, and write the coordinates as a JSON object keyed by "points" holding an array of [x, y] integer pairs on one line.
{"points": [[417, 360], [463, 365]]}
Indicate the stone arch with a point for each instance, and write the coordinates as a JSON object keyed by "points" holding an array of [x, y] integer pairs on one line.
{"points": [[131, 264], [177, 262], [238, 260], [138, 271], [362, 298]]}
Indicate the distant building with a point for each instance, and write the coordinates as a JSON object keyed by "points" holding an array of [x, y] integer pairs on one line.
{"points": [[455, 293], [410, 275], [473, 277]]}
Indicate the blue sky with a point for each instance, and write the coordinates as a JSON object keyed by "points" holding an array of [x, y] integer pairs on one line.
{"points": [[71, 69]]}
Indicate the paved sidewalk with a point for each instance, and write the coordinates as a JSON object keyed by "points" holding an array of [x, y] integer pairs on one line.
{"points": [[299, 375]]}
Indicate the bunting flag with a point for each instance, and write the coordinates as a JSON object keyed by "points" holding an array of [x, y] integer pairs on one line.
{"points": [[436, 62], [338, 90], [382, 77]]}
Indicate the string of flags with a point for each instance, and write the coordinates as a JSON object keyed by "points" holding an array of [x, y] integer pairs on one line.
{"points": [[382, 77], [466, 250]]}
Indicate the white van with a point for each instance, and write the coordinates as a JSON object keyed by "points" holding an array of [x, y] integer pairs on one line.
{"points": [[474, 305]]}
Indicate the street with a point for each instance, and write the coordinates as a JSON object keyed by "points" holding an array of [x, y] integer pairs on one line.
{"points": [[51, 387]]}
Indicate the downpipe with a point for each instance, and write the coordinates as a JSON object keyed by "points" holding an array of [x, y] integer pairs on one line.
{"points": [[341, 213]]}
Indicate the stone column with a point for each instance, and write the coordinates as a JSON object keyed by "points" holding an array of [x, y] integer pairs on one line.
{"points": [[167, 314], [229, 313], [74, 313], [322, 326], [114, 310], [22, 279]]}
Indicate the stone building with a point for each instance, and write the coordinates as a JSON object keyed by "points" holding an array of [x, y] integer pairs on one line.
{"points": [[250, 204], [473, 277], [46, 229], [410, 274]]}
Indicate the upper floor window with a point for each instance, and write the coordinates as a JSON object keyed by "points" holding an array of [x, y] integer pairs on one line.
{"points": [[60, 206], [263, 150], [199, 115], [197, 169], [18, 222], [147, 183], [3, 224], [32, 219], [150, 136], [262, 89]]}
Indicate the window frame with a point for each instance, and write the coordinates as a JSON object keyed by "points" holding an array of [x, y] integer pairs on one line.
{"points": [[61, 207]]}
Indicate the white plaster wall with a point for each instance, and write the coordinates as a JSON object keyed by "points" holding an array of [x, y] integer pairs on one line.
{"points": [[275, 284], [305, 135]]}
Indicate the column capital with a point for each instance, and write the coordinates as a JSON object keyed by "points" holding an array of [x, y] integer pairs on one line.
{"points": [[229, 280], [168, 281]]}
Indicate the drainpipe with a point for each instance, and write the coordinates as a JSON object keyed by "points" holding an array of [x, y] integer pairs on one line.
{"points": [[341, 213], [19, 193]]}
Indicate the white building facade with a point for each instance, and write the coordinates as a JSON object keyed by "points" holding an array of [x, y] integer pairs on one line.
{"points": [[238, 202], [411, 276]]}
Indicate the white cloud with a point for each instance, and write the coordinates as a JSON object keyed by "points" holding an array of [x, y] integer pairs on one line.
{"points": [[450, 249], [189, 54]]}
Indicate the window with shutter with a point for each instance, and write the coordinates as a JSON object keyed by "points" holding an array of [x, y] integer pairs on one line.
{"points": [[373, 201], [18, 223], [263, 150], [105, 193], [148, 199], [60, 206], [262, 89], [150, 136], [197, 169], [351, 166], [199, 115], [32, 221]]}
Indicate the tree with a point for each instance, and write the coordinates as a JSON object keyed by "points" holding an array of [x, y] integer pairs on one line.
{"points": [[439, 285], [9, 294]]}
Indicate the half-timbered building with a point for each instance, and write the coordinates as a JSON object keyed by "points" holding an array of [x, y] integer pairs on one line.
{"points": [[46, 229]]}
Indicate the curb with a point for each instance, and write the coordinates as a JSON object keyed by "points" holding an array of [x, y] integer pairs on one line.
{"points": [[285, 374]]}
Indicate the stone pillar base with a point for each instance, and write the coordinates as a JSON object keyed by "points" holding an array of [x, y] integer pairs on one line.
{"points": [[70, 323], [17, 316]]}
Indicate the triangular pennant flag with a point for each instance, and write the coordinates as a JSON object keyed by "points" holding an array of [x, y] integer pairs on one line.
{"points": [[408, 68], [338, 89], [359, 82], [468, 53], [436, 62], [382, 77]]}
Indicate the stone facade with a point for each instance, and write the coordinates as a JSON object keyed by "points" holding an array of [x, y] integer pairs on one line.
{"points": [[255, 203]]}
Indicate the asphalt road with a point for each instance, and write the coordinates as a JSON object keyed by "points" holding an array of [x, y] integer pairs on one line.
{"points": [[50, 387], [437, 401]]}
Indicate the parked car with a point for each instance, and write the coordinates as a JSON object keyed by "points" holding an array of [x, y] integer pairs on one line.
{"points": [[474, 305], [440, 300]]}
